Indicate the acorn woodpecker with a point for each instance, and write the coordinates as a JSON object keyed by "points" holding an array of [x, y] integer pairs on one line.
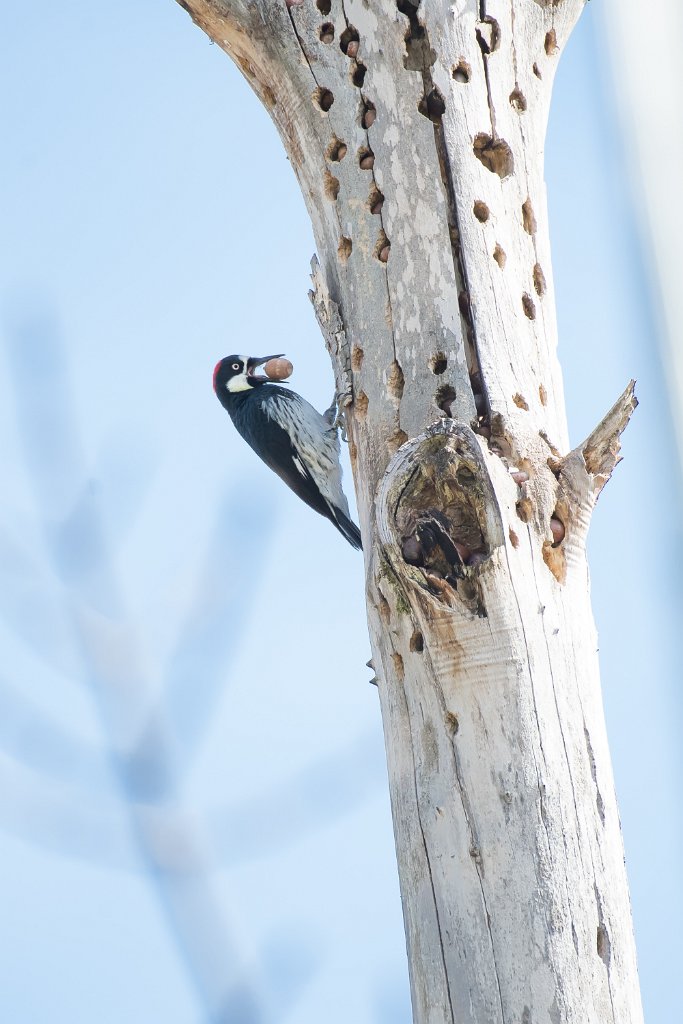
{"points": [[291, 437]]}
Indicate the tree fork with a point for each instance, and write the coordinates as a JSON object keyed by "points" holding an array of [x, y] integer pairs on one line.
{"points": [[416, 132]]}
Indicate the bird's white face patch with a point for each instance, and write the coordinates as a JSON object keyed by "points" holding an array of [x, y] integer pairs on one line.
{"points": [[240, 382]]}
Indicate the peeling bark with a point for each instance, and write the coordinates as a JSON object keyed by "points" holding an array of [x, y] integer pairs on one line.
{"points": [[416, 132]]}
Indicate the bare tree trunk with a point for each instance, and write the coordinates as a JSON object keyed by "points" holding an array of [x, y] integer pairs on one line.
{"points": [[416, 131]]}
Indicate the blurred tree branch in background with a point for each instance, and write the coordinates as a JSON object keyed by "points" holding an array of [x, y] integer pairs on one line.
{"points": [[72, 611]]}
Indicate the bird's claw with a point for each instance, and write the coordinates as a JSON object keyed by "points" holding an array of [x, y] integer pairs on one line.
{"points": [[335, 417]]}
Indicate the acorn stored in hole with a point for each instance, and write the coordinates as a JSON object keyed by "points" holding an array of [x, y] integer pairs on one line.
{"points": [[412, 551], [278, 369], [557, 530]]}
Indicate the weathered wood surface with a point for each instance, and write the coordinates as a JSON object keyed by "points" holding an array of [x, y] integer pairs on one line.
{"points": [[416, 133]]}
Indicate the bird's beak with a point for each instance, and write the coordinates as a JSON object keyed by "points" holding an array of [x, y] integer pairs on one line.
{"points": [[254, 361]]}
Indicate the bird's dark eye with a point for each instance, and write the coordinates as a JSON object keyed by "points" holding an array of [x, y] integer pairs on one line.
{"points": [[235, 366]]}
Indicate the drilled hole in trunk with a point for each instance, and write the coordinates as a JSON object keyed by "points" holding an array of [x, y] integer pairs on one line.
{"points": [[557, 529], [368, 114], [396, 381], [375, 200], [323, 98], [518, 100], [445, 396], [553, 550], [336, 150], [432, 106], [366, 159], [525, 509], [488, 35], [539, 280], [349, 35], [382, 248], [494, 154], [528, 217], [438, 363], [603, 945], [462, 72], [361, 405], [481, 211], [331, 186], [358, 75], [417, 642], [344, 248]]}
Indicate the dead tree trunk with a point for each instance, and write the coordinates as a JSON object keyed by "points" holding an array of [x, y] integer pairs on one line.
{"points": [[416, 131]]}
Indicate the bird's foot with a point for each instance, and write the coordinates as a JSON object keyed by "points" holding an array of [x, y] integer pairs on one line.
{"points": [[335, 416]]}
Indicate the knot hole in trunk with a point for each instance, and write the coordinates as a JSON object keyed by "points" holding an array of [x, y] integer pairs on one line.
{"points": [[438, 511]]}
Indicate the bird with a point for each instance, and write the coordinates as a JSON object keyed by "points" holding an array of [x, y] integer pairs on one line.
{"points": [[289, 435]]}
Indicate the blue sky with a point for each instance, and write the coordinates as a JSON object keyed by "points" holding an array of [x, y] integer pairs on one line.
{"points": [[152, 225]]}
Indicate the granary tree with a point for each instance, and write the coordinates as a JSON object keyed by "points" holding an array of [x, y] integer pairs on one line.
{"points": [[416, 131]]}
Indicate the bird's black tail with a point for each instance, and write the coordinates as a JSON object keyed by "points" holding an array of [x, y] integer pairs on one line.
{"points": [[347, 527]]}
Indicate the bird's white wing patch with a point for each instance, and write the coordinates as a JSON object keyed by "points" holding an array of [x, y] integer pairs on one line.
{"points": [[317, 445], [299, 465]]}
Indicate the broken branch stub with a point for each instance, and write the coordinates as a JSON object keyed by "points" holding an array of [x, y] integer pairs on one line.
{"points": [[580, 477], [601, 448]]}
